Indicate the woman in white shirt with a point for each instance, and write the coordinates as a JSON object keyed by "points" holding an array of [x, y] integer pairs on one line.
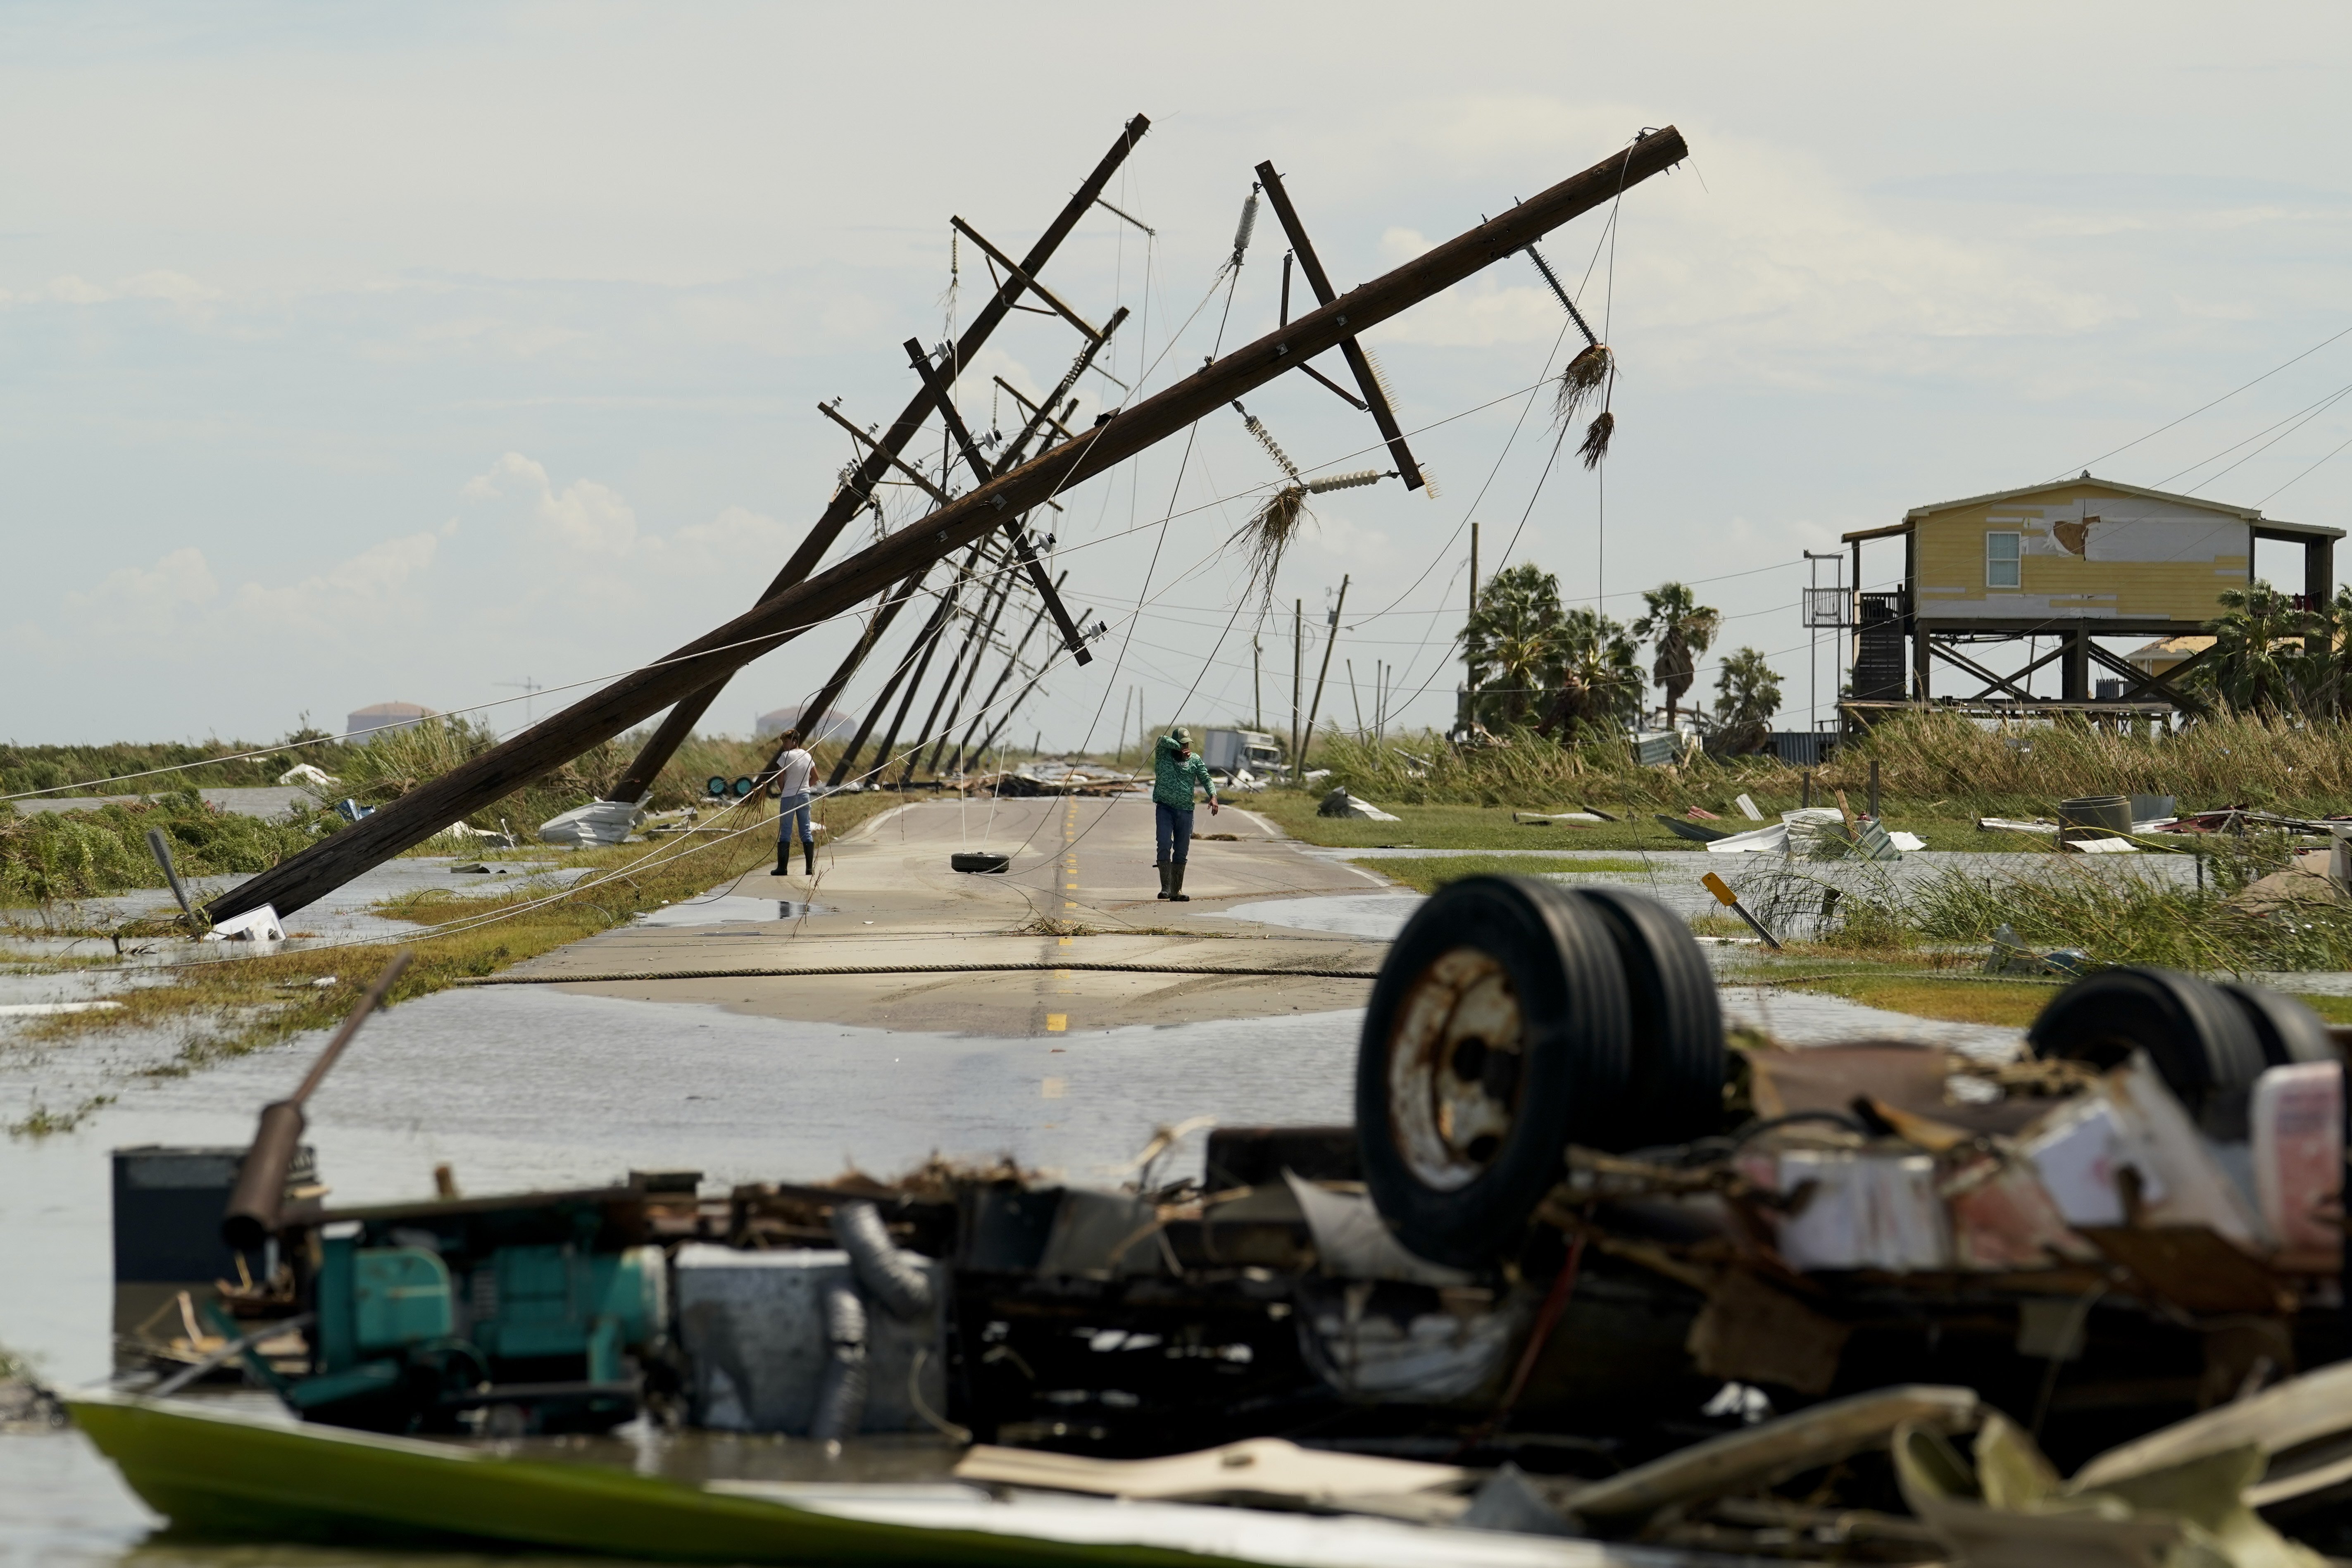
{"points": [[790, 770]]}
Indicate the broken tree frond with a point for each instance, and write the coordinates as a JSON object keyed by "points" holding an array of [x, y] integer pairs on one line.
{"points": [[1265, 438], [1595, 445], [1266, 535], [1586, 374]]}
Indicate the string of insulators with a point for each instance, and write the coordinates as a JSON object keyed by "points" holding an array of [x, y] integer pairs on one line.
{"points": [[1346, 481], [1243, 230], [1266, 439]]}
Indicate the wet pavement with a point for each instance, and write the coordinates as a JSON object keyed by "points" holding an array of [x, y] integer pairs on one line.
{"points": [[1071, 937]]}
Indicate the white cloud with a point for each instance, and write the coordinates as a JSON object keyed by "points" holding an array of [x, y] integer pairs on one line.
{"points": [[1773, 270], [356, 591], [133, 594], [583, 516]]}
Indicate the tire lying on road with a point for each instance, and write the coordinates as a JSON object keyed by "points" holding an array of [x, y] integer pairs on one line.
{"points": [[2201, 1041], [1674, 1082], [1499, 1032]]}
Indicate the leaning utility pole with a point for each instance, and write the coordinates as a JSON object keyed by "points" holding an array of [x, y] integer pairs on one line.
{"points": [[1012, 668], [929, 641], [976, 644], [1329, 642], [1298, 675], [483, 780], [857, 491], [1014, 707]]}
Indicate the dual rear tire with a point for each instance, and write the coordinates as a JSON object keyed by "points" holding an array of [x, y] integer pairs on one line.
{"points": [[1515, 1016]]}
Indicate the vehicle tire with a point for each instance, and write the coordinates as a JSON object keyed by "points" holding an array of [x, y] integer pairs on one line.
{"points": [[2202, 1042], [975, 862], [1497, 1034], [1675, 1079], [2290, 1032]]}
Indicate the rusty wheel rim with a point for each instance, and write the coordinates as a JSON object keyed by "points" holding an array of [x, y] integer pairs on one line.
{"points": [[1456, 1063]]}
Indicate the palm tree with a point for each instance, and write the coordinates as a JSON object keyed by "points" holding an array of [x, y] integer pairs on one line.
{"points": [[1748, 693], [2258, 659], [1682, 629], [1512, 642], [1598, 689]]}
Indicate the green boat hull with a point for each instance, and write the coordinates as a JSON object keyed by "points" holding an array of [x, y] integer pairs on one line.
{"points": [[220, 1473]]}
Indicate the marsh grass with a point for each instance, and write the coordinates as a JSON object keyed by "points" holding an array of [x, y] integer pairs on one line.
{"points": [[2115, 913], [1934, 764]]}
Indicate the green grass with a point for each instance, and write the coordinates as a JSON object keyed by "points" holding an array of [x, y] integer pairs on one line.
{"points": [[2335, 1009], [1429, 875], [2011, 1004]]}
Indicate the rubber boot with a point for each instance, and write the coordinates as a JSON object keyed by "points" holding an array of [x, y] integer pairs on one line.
{"points": [[1163, 878], [1176, 893], [808, 855], [784, 858]]}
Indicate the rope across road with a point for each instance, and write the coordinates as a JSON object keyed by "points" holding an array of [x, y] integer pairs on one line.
{"points": [[814, 971]]}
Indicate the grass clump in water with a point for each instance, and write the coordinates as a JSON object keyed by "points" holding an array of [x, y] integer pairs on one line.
{"points": [[2113, 913]]}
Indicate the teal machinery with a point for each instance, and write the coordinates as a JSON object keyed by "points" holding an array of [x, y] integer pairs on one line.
{"points": [[540, 1312]]}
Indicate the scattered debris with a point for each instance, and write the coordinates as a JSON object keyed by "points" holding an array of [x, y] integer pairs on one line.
{"points": [[1339, 803], [598, 822], [2010, 956]]}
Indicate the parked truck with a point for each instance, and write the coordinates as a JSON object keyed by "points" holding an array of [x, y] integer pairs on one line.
{"points": [[1236, 752]]}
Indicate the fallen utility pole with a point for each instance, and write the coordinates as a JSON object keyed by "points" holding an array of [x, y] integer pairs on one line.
{"points": [[483, 780], [638, 779]]}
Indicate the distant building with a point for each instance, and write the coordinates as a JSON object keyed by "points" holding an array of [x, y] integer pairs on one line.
{"points": [[2160, 656], [364, 722], [832, 725], [2069, 560]]}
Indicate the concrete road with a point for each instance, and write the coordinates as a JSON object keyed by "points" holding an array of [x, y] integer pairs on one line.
{"points": [[1081, 890]]}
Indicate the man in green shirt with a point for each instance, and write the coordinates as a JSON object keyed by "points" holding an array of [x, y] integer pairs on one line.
{"points": [[1174, 772]]}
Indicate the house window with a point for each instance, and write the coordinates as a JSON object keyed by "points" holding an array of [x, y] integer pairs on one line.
{"points": [[2001, 560]]}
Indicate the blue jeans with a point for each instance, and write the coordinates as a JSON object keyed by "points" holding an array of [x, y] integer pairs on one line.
{"points": [[789, 809], [1171, 829]]}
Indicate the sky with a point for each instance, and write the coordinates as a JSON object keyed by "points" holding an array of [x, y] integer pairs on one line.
{"points": [[433, 353]]}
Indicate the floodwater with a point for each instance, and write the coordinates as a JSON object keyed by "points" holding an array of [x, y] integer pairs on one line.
{"points": [[522, 1086], [344, 914]]}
